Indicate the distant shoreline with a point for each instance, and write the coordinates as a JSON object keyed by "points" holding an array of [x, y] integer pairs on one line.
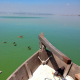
{"points": [[27, 13]]}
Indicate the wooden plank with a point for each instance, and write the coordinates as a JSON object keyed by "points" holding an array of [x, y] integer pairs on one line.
{"points": [[28, 70], [67, 70], [11, 78], [75, 69], [21, 74], [77, 76], [14, 78], [63, 57]]}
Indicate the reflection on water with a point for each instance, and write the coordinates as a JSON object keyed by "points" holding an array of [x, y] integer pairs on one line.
{"points": [[62, 31]]}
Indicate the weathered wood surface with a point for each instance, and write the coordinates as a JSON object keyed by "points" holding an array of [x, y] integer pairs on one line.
{"points": [[52, 61], [19, 74], [34, 62], [45, 42], [43, 57], [77, 76], [75, 69], [28, 70], [70, 69], [56, 63], [67, 70]]}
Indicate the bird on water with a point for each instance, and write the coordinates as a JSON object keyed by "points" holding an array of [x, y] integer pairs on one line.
{"points": [[5, 42], [13, 42], [15, 45], [20, 36], [29, 48]]}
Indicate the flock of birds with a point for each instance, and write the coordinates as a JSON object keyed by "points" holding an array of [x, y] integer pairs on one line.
{"points": [[29, 48], [13, 43]]}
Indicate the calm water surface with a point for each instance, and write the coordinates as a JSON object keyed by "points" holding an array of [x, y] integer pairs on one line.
{"points": [[62, 31]]}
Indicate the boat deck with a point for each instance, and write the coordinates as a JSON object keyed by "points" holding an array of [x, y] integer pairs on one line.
{"points": [[44, 72]]}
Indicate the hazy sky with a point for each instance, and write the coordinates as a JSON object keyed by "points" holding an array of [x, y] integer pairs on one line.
{"points": [[41, 6]]}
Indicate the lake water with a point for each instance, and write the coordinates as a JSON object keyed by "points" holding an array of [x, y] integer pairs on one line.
{"points": [[62, 31]]}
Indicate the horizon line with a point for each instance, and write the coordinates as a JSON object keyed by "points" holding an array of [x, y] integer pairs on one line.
{"points": [[32, 13]]}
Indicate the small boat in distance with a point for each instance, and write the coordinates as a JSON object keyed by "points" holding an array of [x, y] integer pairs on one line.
{"points": [[20, 36]]}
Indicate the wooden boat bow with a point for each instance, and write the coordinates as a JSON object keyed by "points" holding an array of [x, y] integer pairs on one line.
{"points": [[58, 59], [45, 42]]}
